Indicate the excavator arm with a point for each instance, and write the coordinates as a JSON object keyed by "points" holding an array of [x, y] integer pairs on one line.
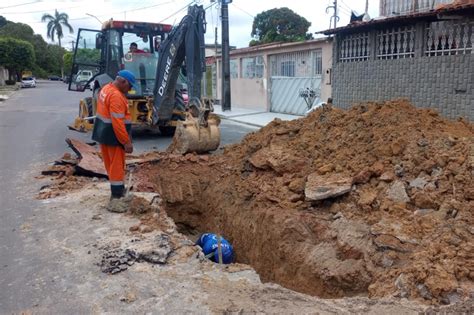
{"points": [[183, 46]]}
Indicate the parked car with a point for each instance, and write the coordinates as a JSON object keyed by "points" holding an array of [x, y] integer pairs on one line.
{"points": [[54, 78], [28, 82], [84, 76]]}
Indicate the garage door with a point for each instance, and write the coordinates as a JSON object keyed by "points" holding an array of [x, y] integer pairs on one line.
{"points": [[291, 74]]}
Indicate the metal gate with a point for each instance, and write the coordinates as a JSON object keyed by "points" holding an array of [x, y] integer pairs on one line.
{"points": [[293, 75]]}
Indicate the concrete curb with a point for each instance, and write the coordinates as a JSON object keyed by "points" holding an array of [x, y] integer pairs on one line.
{"points": [[241, 122]]}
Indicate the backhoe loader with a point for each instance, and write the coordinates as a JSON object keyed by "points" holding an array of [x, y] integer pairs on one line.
{"points": [[168, 66]]}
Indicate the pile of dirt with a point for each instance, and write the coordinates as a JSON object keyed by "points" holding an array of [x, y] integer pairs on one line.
{"points": [[377, 200]]}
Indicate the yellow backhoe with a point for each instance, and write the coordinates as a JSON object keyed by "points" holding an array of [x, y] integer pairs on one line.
{"points": [[169, 68]]}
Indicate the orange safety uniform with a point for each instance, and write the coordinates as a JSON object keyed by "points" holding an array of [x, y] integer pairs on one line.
{"points": [[112, 129]]}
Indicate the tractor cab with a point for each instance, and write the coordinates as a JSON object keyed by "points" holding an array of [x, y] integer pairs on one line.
{"points": [[99, 55]]}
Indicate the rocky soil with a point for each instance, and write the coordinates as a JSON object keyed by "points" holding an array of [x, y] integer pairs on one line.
{"points": [[376, 201]]}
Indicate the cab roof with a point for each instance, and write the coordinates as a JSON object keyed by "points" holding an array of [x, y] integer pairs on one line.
{"points": [[134, 26]]}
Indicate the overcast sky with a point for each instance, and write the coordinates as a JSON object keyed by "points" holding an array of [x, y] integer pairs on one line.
{"points": [[241, 13]]}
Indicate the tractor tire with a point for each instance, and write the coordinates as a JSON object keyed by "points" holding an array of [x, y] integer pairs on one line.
{"points": [[90, 108]]}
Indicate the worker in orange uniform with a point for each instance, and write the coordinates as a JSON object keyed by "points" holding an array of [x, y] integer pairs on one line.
{"points": [[112, 128]]}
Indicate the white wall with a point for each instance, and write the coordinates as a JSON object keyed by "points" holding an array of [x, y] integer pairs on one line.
{"points": [[3, 75], [255, 93]]}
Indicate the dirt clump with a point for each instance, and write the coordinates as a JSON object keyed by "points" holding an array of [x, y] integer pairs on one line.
{"points": [[60, 185], [403, 226], [147, 208]]}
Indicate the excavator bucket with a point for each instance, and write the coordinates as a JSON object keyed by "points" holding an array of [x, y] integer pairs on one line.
{"points": [[84, 122], [193, 136]]}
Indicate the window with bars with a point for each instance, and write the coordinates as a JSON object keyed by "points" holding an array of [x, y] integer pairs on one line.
{"points": [[396, 43], [288, 68], [449, 38], [299, 64], [252, 67], [354, 47], [234, 68], [317, 65], [259, 66]]}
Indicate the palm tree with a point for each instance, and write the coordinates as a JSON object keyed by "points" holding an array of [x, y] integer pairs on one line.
{"points": [[55, 27]]}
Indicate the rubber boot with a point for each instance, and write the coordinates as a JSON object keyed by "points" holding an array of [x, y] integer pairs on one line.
{"points": [[119, 203]]}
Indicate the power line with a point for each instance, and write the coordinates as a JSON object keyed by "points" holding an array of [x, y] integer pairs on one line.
{"points": [[184, 8], [125, 11], [344, 10], [151, 6], [233, 4], [18, 5], [38, 11], [211, 5], [346, 6], [177, 12]]}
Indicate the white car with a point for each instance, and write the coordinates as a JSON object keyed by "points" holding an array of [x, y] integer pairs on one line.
{"points": [[84, 75], [28, 82]]}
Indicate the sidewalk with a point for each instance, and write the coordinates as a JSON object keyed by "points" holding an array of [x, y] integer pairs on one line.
{"points": [[7, 90], [257, 118]]}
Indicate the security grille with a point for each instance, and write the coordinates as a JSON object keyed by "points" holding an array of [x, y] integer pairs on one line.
{"points": [[449, 38], [396, 43], [354, 47]]}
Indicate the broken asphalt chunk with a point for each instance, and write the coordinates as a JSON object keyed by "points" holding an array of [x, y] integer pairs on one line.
{"points": [[323, 187], [90, 163]]}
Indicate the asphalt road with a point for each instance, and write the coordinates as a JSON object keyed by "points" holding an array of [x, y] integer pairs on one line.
{"points": [[32, 132]]}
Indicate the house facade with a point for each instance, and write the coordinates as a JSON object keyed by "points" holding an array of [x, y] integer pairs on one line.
{"points": [[426, 57], [398, 7], [276, 77]]}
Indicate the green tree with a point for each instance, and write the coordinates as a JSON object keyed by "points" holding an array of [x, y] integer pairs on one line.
{"points": [[3, 21], [16, 55], [55, 62], [41, 53], [279, 25], [48, 57], [26, 33], [86, 55], [17, 30], [67, 61], [55, 27]]}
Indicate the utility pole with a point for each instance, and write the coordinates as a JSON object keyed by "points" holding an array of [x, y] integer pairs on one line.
{"points": [[215, 42], [225, 55], [214, 90], [334, 17]]}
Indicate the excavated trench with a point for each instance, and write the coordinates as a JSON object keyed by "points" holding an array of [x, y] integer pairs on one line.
{"points": [[297, 249], [403, 229]]}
